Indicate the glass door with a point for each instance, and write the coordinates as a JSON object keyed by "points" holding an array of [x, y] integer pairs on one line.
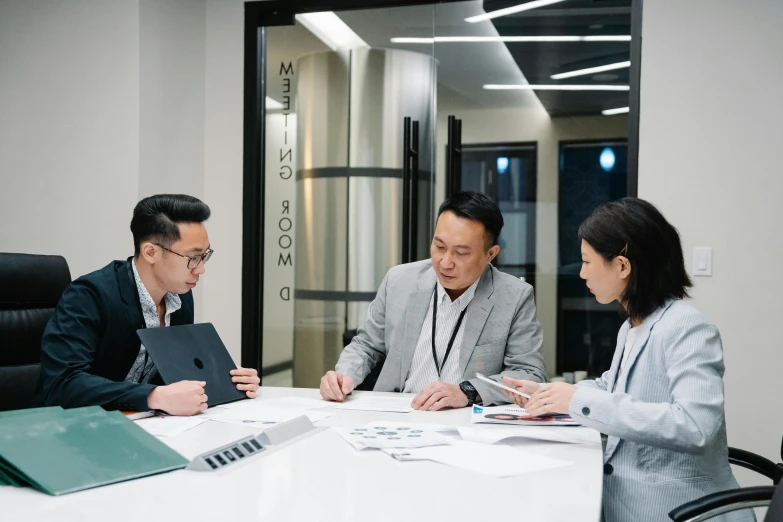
{"points": [[374, 116], [506, 172], [515, 83], [349, 178]]}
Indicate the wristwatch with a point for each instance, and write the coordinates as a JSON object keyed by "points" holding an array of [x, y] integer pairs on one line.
{"points": [[470, 392]]}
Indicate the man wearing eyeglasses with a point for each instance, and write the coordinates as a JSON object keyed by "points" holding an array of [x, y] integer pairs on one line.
{"points": [[91, 355]]}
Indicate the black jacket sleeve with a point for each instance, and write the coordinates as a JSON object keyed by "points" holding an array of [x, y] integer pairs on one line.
{"points": [[68, 352]]}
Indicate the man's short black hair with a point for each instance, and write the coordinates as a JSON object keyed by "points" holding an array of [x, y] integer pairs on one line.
{"points": [[636, 229], [158, 217], [476, 207]]}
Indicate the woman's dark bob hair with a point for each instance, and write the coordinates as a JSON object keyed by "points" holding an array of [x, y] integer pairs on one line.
{"points": [[635, 229]]}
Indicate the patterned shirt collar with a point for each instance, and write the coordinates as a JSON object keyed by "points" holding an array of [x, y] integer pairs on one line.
{"points": [[148, 306], [462, 301]]}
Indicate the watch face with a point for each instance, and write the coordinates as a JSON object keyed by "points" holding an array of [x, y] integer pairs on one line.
{"points": [[469, 391]]}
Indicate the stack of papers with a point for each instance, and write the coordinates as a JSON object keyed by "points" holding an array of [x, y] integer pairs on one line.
{"points": [[297, 403], [388, 404], [494, 433], [497, 461], [249, 413], [392, 435], [255, 413], [169, 426], [517, 416]]}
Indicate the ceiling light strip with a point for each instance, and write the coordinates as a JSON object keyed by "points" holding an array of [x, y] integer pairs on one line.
{"points": [[591, 70], [554, 87], [612, 112], [527, 6], [511, 39]]}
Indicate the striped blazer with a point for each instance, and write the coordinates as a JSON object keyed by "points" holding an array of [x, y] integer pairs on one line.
{"points": [[664, 420]]}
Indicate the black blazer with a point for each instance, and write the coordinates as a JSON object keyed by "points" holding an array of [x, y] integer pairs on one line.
{"points": [[90, 343]]}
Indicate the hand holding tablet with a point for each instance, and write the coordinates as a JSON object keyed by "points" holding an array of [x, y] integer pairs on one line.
{"points": [[486, 379]]}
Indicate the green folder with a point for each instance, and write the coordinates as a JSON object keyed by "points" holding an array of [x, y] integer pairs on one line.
{"points": [[62, 451], [9, 477]]}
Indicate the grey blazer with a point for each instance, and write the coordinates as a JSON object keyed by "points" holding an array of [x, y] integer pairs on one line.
{"points": [[665, 420], [502, 335]]}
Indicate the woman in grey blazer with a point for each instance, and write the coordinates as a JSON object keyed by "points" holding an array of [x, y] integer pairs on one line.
{"points": [[661, 402]]}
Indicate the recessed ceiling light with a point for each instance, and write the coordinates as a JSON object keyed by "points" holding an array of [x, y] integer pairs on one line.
{"points": [[331, 30], [612, 112], [511, 39], [511, 10], [554, 87], [591, 70]]}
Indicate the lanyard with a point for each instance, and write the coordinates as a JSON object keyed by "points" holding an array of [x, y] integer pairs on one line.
{"points": [[453, 334]]}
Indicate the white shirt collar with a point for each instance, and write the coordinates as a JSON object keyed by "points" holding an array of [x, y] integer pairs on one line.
{"points": [[148, 306], [462, 301]]}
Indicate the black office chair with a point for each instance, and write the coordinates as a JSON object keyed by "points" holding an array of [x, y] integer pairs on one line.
{"points": [[30, 287], [721, 502], [369, 382]]}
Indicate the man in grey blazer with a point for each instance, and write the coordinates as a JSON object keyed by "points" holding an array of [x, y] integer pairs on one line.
{"points": [[435, 323]]}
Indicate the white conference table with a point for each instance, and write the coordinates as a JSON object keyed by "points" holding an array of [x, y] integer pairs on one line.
{"points": [[322, 478]]}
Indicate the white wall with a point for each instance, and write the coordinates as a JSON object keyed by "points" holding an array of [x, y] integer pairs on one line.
{"points": [[171, 93], [69, 129], [224, 113], [171, 104], [104, 102], [710, 160]]}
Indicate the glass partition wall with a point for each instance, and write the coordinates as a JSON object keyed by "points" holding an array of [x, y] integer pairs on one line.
{"points": [[371, 117]]}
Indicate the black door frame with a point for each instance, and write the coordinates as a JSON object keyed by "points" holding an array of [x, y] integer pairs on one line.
{"points": [[262, 14]]}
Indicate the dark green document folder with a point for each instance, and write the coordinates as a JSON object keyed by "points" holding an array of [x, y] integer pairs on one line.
{"points": [[10, 477], [62, 451]]}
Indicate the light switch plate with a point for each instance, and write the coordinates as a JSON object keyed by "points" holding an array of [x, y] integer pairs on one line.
{"points": [[702, 261]]}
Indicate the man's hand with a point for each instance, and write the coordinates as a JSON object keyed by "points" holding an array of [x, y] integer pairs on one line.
{"points": [[552, 398], [438, 396], [524, 386], [181, 398], [336, 386], [247, 379]]}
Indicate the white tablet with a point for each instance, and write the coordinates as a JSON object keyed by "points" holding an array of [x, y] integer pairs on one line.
{"points": [[486, 379]]}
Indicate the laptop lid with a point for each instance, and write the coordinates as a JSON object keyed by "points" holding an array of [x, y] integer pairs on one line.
{"points": [[193, 352]]}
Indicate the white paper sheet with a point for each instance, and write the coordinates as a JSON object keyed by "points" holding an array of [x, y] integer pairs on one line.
{"points": [[211, 412], [497, 461], [393, 435], [390, 404], [264, 414], [299, 403], [492, 434], [256, 425], [169, 426]]}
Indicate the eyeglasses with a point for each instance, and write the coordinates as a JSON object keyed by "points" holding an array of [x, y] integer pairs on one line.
{"points": [[193, 261]]}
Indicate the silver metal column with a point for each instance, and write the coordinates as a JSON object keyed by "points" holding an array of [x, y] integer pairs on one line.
{"points": [[349, 189]]}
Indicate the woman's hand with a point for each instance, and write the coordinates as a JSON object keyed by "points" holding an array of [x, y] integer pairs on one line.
{"points": [[552, 398], [528, 387]]}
